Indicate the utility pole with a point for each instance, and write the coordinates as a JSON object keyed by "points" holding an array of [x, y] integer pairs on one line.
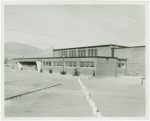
{"points": [[63, 63]]}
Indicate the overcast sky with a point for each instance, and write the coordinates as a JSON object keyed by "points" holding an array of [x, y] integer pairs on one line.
{"points": [[61, 26]]}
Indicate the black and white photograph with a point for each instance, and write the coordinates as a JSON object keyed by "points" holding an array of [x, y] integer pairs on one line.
{"points": [[75, 60]]}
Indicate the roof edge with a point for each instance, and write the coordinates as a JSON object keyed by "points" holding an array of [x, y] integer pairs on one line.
{"points": [[91, 47]]}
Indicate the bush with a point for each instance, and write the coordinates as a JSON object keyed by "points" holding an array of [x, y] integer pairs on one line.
{"points": [[50, 71], [94, 73], [63, 72], [76, 72], [41, 70]]}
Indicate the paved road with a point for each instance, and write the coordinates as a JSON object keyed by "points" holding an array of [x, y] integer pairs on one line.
{"points": [[65, 100]]}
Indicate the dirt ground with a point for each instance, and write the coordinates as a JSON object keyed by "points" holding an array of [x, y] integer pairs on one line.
{"points": [[114, 97]]}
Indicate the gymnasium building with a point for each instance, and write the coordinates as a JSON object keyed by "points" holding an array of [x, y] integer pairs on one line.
{"points": [[101, 60]]}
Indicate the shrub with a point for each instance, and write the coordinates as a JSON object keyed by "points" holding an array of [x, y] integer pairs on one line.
{"points": [[50, 71], [41, 70], [63, 72], [76, 72], [94, 73]]}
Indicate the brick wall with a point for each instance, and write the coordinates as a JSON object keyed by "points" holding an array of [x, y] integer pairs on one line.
{"points": [[121, 71], [106, 68], [135, 59]]}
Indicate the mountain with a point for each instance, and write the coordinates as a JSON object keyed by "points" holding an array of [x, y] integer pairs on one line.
{"points": [[18, 50]]}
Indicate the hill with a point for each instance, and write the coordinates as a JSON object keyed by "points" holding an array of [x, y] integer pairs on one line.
{"points": [[18, 50]]}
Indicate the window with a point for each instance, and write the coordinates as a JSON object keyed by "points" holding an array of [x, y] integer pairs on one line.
{"points": [[121, 65], [72, 53], [66, 63], [84, 52], [95, 52], [44, 63], [78, 53], [81, 64], [81, 53], [64, 53], [54, 63], [86, 64], [70, 64], [74, 64], [60, 63], [57, 63], [92, 52], [88, 52], [91, 64], [49, 63]]}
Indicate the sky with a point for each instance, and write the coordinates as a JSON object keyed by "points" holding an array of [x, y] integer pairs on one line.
{"points": [[63, 26]]}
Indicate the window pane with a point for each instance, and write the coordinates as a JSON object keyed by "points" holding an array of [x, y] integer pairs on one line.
{"points": [[57, 63], [61, 63], [84, 52], [70, 64], [74, 64], [78, 53], [92, 64], [49, 63], [87, 64], [88, 52], [95, 52], [81, 64], [75, 53], [66, 63], [92, 52]]}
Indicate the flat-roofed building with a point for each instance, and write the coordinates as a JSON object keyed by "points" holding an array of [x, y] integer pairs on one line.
{"points": [[88, 51], [101, 61], [135, 59]]}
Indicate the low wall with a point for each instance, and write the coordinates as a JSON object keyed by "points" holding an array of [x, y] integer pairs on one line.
{"points": [[106, 67]]}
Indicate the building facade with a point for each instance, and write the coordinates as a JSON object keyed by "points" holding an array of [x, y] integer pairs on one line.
{"points": [[135, 59], [88, 51], [101, 61]]}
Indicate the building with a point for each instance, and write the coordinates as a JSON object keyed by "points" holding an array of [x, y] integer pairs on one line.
{"points": [[135, 59], [101, 60]]}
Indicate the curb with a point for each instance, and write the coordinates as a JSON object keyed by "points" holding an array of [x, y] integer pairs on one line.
{"points": [[93, 107]]}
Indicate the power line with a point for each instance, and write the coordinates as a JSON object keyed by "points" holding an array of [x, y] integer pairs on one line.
{"points": [[50, 36], [103, 15], [115, 12]]}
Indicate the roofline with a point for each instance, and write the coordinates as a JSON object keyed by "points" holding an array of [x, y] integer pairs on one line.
{"points": [[131, 47], [90, 47], [66, 57]]}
